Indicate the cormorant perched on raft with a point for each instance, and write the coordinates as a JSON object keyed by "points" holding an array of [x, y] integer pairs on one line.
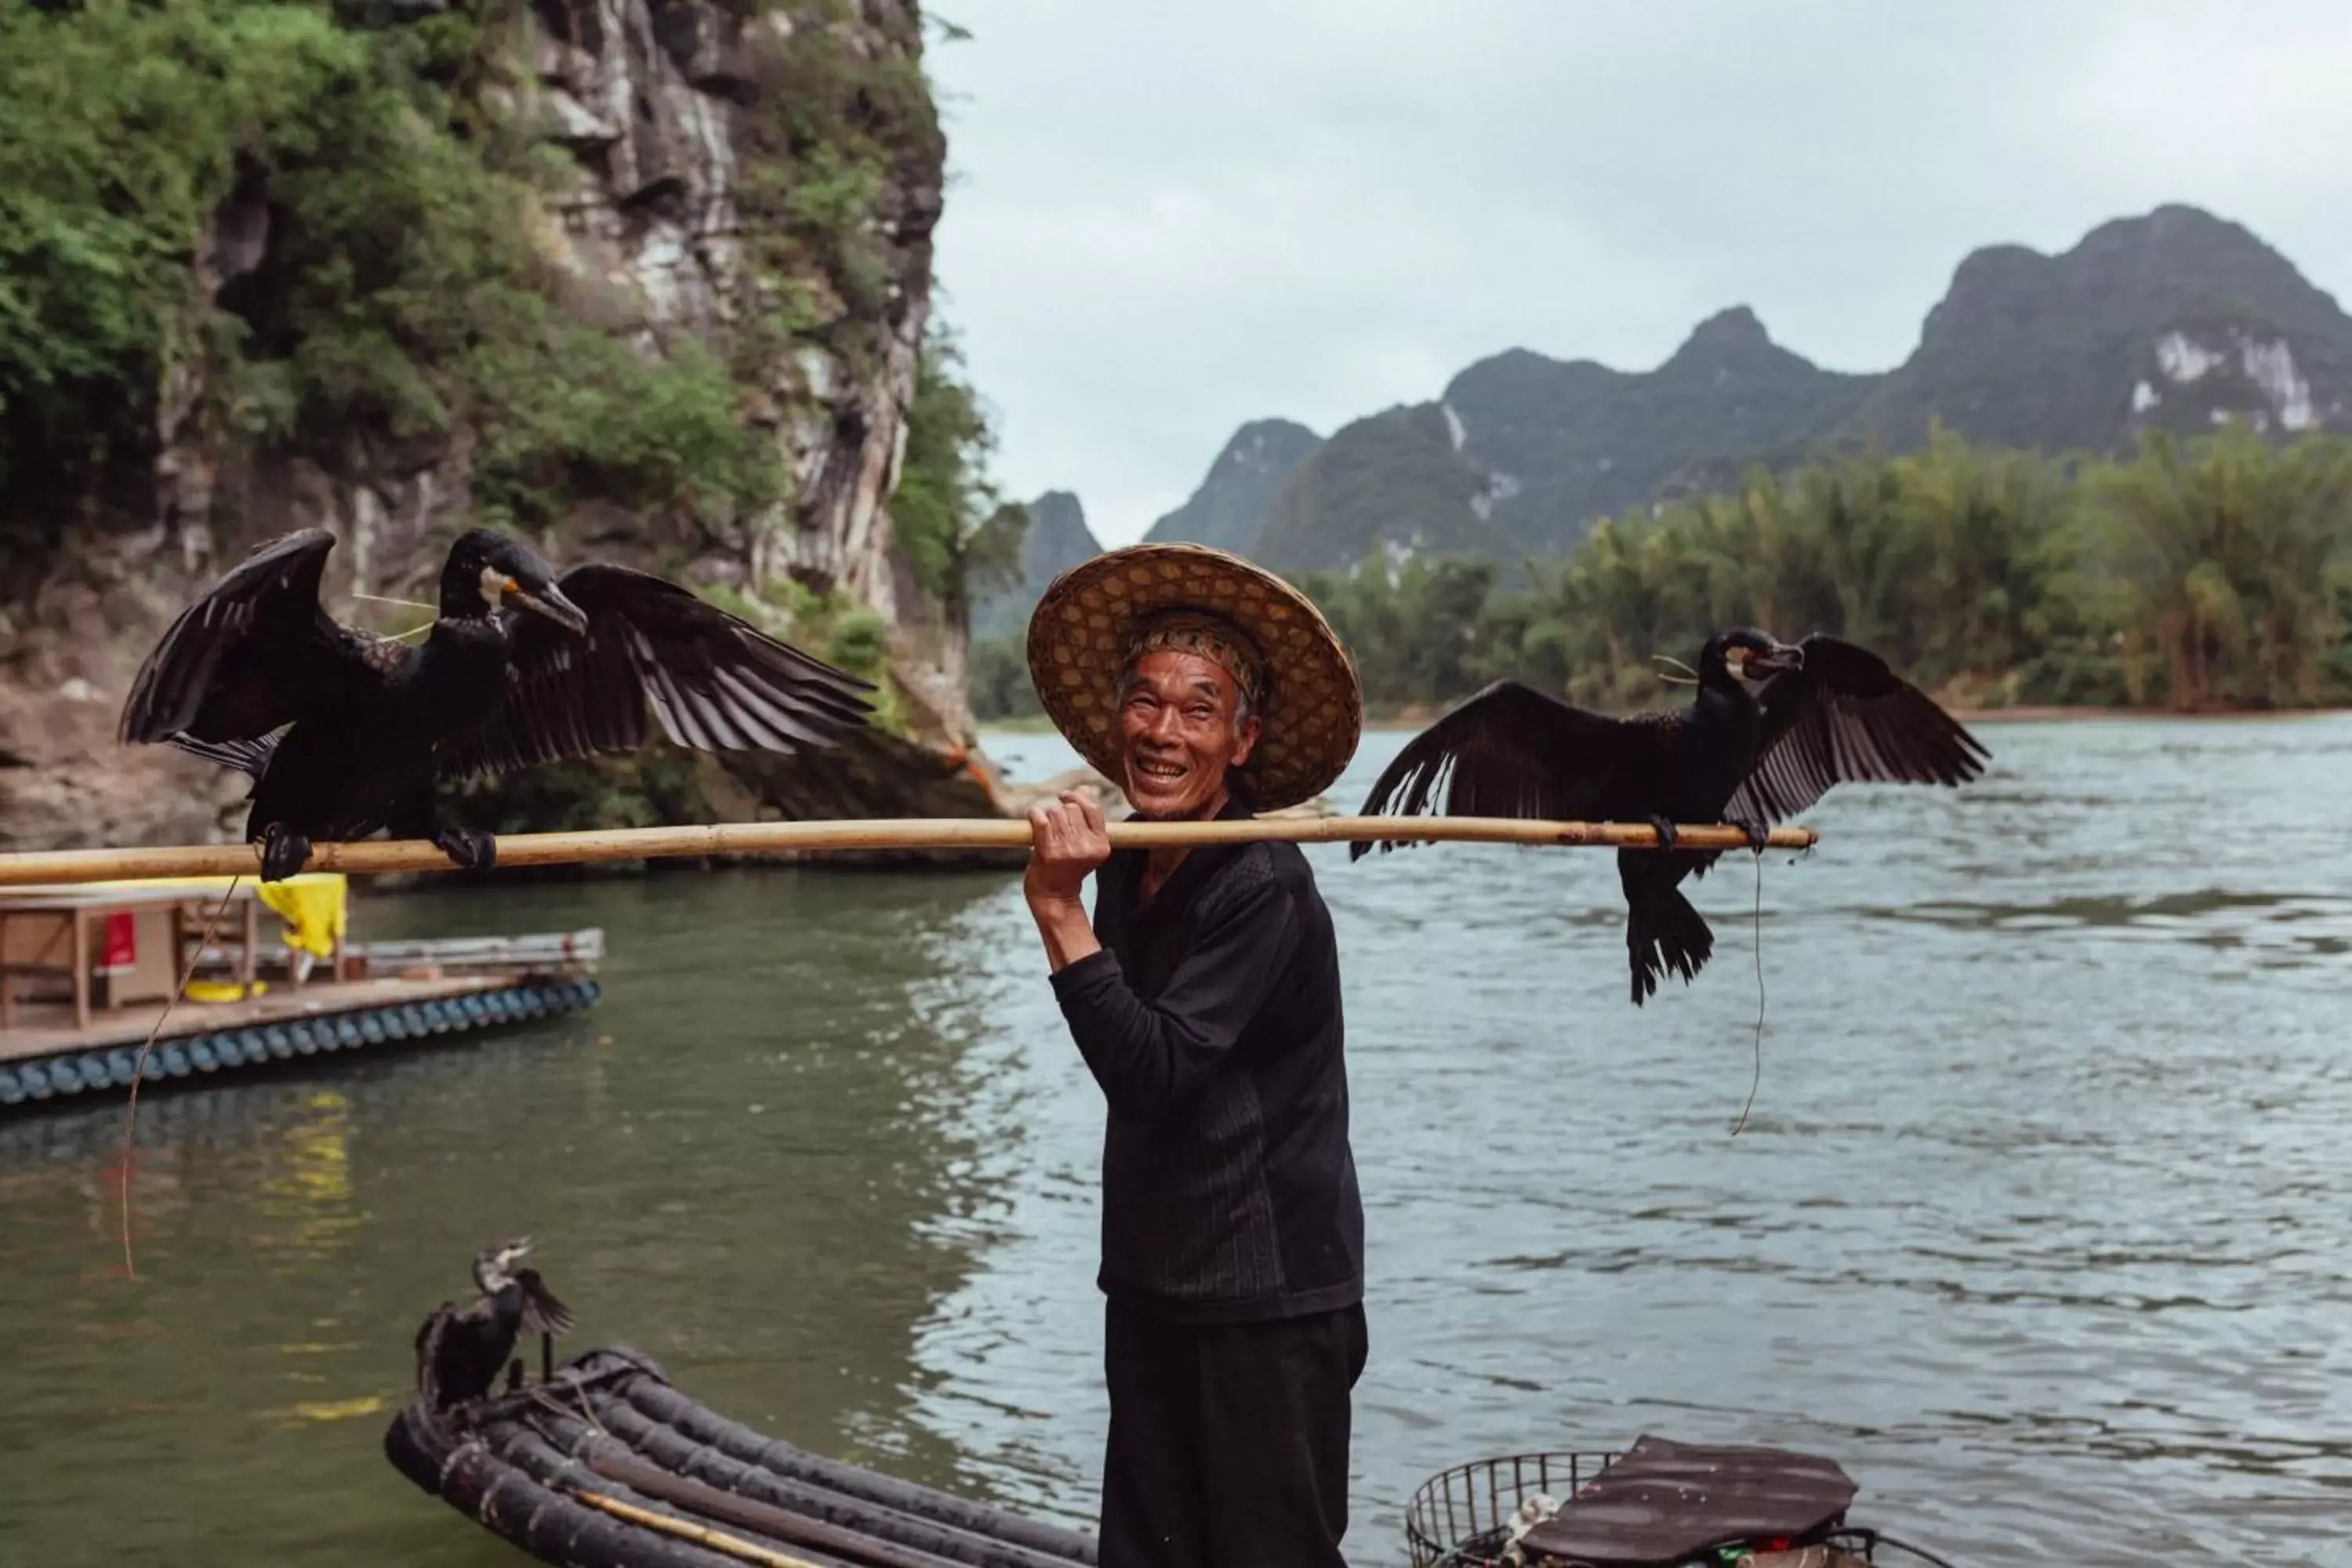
{"points": [[461, 1349], [1746, 753], [345, 732]]}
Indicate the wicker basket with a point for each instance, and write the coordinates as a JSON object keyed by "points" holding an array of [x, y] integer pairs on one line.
{"points": [[1461, 1517]]}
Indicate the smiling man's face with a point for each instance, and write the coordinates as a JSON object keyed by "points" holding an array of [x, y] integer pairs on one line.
{"points": [[1181, 728]]}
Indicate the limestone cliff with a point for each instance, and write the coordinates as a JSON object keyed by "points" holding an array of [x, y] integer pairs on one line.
{"points": [[691, 196]]}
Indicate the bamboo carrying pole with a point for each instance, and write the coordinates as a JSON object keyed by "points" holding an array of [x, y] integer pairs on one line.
{"points": [[725, 838]]}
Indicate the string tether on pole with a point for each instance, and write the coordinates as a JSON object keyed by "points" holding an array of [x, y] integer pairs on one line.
{"points": [[738, 838]]}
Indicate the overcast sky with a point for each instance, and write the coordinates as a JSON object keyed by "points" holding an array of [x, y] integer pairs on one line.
{"points": [[1167, 216]]}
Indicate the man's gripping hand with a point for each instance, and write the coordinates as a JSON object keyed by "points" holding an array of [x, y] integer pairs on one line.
{"points": [[1069, 844]]}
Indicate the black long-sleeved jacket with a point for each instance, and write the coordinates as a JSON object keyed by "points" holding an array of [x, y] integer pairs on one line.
{"points": [[1211, 1020]]}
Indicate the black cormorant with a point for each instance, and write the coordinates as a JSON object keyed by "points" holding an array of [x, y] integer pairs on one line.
{"points": [[461, 1349], [1747, 752], [345, 732]]}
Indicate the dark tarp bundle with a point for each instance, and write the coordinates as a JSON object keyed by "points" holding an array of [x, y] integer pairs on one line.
{"points": [[1662, 1503]]}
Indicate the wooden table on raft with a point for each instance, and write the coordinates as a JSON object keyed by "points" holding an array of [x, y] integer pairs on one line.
{"points": [[726, 839], [72, 909]]}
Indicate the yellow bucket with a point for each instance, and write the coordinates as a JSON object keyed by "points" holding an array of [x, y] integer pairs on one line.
{"points": [[222, 990]]}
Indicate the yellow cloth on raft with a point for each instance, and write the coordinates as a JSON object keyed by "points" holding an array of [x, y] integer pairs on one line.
{"points": [[313, 904]]}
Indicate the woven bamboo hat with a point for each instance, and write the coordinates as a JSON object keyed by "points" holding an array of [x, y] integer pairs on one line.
{"points": [[1087, 625]]}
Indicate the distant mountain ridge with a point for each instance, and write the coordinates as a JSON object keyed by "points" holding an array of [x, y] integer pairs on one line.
{"points": [[1394, 482], [1056, 538], [1230, 508], [2176, 320], [1560, 444]]}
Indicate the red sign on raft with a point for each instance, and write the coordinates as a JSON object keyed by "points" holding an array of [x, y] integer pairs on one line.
{"points": [[121, 953]]}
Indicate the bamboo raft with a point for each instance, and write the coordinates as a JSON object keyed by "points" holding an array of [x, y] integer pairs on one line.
{"points": [[450, 986], [608, 1466]]}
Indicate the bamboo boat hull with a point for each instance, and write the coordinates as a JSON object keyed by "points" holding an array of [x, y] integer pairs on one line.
{"points": [[38, 1073], [610, 1423]]}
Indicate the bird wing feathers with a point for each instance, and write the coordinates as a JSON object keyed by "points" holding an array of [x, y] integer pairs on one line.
{"points": [[712, 681], [1846, 718], [253, 655], [428, 1350], [247, 757], [1510, 751], [541, 1313]]}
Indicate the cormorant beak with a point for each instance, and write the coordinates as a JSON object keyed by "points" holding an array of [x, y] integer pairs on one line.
{"points": [[1776, 659], [549, 601]]}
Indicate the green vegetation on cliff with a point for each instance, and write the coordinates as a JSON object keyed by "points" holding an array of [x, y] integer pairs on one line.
{"points": [[2200, 575], [401, 268], [328, 232], [960, 536], [833, 139], [320, 230]]}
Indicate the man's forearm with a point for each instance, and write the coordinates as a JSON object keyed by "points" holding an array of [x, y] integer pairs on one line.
{"points": [[1069, 935]]}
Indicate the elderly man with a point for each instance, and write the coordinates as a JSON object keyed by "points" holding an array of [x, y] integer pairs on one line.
{"points": [[1205, 997]]}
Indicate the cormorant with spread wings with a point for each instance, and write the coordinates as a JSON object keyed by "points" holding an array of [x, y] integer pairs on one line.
{"points": [[1771, 729], [460, 1351], [345, 732]]}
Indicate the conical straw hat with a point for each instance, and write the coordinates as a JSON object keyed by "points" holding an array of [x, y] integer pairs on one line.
{"points": [[1312, 711]]}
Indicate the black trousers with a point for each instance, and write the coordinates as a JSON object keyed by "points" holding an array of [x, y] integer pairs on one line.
{"points": [[1228, 1441]]}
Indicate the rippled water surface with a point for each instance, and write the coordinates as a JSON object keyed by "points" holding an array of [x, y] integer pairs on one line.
{"points": [[2040, 1223]]}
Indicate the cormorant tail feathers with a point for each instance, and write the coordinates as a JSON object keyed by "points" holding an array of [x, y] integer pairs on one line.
{"points": [[1663, 932]]}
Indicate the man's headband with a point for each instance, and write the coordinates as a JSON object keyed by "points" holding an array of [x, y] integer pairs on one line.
{"points": [[1211, 637]]}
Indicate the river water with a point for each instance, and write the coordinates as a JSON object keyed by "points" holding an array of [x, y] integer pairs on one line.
{"points": [[2039, 1224]]}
